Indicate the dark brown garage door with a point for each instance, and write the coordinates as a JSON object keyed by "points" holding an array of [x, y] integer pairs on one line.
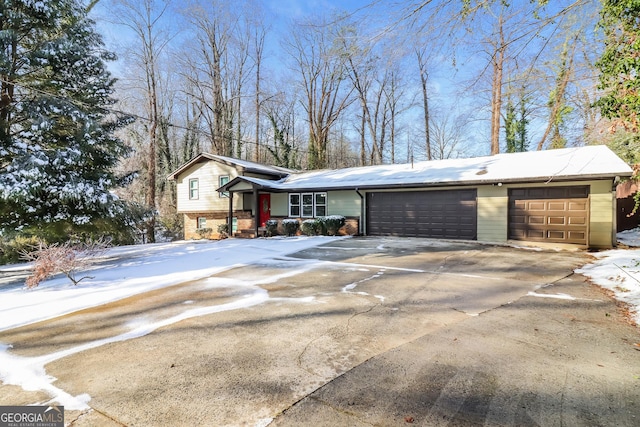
{"points": [[552, 214], [448, 214]]}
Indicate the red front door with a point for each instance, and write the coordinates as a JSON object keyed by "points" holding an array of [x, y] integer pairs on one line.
{"points": [[264, 200]]}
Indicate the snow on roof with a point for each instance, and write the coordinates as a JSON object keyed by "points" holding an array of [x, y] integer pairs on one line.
{"points": [[257, 167], [244, 164], [560, 164]]}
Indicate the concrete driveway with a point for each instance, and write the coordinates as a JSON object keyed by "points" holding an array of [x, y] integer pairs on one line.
{"points": [[358, 332]]}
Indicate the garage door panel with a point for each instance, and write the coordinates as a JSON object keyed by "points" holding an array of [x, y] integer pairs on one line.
{"points": [[557, 206], [577, 220], [448, 214], [556, 220], [577, 235], [577, 206], [535, 205], [554, 214], [533, 234], [556, 234]]}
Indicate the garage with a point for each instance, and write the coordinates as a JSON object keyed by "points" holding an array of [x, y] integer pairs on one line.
{"points": [[549, 214], [446, 214]]}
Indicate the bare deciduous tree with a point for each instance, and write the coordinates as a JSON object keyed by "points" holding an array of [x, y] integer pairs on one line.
{"points": [[421, 55], [144, 19], [321, 73]]}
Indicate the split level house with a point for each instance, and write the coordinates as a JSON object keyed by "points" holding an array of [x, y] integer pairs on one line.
{"points": [[563, 197]]}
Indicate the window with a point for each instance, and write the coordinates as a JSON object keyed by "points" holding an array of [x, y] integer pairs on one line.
{"points": [[193, 189], [320, 202], [234, 224], [202, 222], [308, 205], [294, 205], [224, 180]]}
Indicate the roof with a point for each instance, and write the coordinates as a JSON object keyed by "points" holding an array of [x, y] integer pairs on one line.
{"points": [[244, 165], [579, 163]]}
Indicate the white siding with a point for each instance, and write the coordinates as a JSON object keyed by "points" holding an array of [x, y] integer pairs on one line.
{"points": [[208, 176]]}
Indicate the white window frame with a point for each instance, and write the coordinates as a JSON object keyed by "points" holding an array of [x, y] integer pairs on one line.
{"points": [[314, 205], [223, 193], [297, 205], [201, 222], [194, 191], [303, 205]]}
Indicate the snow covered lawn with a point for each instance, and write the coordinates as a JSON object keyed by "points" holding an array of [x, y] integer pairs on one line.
{"points": [[619, 271], [131, 270]]}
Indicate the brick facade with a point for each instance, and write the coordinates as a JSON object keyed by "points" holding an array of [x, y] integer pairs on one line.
{"points": [[350, 228], [213, 219]]}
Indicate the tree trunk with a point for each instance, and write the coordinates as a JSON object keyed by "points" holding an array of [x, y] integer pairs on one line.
{"points": [[153, 118], [7, 93], [424, 76], [257, 106], [363, 147], [496, 99]]}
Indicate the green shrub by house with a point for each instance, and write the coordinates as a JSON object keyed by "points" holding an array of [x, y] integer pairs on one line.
{"points": [[333, 223], [290, 226], [204, 233], [310, 227], [223, 230], [272, 227]]}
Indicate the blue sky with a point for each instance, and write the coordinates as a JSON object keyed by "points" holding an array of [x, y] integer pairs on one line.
{"points": [[452, 91]]}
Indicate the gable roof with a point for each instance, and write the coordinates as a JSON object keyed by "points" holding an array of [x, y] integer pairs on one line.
{"points": [[579, 163], [242, 165]]}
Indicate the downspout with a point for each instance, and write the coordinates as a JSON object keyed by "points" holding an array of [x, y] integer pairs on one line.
{"points": [[361, 222], [230, 218]]}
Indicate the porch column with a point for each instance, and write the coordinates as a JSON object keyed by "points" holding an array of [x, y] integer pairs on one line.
{"points": [[256, 217], [230, 219]]}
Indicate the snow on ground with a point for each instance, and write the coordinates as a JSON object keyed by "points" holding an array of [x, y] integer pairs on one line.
{"points": [[131, 270], [126, 271], [619, 271]]}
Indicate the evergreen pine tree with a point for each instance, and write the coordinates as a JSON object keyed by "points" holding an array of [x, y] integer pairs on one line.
{"points": [[57, 145], [515, 127]]}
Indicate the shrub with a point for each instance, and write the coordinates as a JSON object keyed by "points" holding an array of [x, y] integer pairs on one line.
{"points": [[204, 233], [290, 226], [334, 223], [321, 227], [310, 227], [223, 230], [67, 258], [272, 227]]}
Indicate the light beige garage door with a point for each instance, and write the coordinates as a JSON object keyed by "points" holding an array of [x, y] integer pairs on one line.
{"points": [[549, 214]]}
